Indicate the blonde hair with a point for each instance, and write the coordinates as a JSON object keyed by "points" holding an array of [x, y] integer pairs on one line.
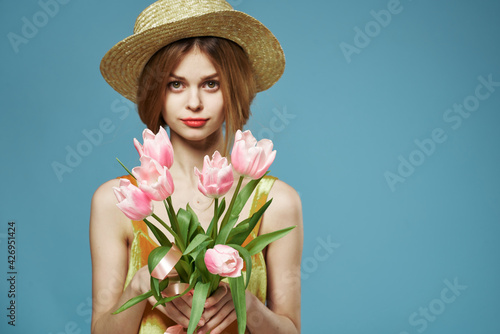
{"points": [[237, 81]]}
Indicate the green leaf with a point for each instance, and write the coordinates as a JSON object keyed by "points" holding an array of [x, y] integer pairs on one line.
{"points": [[126, 169], [200, 265], [200, 230], [164, 284], [169, 212], [248, 261], [224, 232], [175, 224], [184, 218], [155, 257], [194, 277], [160, 236], [244, 195], [169, 299], [259, 243], [191, 211], [239, 234], [194, 228], [131, 302], [155, 287], [231, 204], [214, 283], [241, 228], [239, 199], [194, 223], [238, 293], [169, 229], [222, 206], [220, 209], [183, 269], [199, 298], [202, 246], [198, 239]]}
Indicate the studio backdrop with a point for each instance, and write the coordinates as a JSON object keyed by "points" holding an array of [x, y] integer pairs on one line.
{"points": [[386, 122]]}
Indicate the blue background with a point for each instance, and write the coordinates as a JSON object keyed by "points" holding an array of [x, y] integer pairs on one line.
{"points": [[340, 122]]}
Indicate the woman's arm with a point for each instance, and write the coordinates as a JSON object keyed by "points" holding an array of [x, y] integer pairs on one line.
{"points": [[283, 258], [109, 246], [109, 251]]}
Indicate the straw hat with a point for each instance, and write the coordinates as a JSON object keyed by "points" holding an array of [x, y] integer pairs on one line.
{"points": [[167, 21]]}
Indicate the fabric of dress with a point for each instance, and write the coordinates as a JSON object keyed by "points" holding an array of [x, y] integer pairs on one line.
{"points": [[155, 322]]}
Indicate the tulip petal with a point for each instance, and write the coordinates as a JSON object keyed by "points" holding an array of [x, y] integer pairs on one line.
{"points": [[156, 146], [216, 178], [224, 260], [132, 201], [154, 179], [249, 157], [177, 329]]}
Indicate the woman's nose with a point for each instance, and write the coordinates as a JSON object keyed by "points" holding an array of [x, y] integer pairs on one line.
{"points": [[194, 102]]}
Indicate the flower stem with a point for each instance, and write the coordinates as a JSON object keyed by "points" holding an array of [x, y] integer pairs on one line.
{"points": [[230, 208], [128, 171], [169, 229], [175, 223], [216, 217]]}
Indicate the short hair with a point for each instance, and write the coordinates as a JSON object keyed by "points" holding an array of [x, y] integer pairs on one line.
{"points": [[232, 65]]}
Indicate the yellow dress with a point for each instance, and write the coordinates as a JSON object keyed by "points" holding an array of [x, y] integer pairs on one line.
{"points": [[155, 322]]}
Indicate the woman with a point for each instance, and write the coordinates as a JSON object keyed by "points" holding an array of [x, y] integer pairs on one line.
{"points": [[194, 66]]}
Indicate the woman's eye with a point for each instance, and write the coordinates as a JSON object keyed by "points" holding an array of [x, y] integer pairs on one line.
{"points": [[175, 85], [212, 84]]}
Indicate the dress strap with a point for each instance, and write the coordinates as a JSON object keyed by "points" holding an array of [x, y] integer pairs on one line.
{"points": [[130, 178], [260, 198]]}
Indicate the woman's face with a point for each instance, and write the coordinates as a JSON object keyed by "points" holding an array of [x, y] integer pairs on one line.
{"points": [[194, 103]]}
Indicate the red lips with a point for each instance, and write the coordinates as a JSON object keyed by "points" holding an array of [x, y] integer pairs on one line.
{"points": [[194, 122]]}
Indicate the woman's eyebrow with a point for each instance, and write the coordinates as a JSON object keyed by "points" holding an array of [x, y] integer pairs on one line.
{"points": [[211, 76], [206, 77], [177, 77]]}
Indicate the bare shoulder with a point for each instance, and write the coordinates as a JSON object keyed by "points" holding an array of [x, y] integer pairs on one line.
{"points": [[285, 209], [104, 198], [104, 214], [105, 191]]}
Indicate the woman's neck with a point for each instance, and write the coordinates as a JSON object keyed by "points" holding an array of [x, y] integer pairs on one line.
{"points": [[190, 154]]}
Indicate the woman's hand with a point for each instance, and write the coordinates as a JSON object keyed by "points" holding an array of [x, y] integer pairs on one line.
{"points": [[219, 310], [178, 309]]}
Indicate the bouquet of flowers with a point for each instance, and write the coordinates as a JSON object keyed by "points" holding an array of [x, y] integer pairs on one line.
{"points": [[199, 259]]}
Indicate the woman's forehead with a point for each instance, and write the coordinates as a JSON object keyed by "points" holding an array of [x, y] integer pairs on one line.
{"points": [[194, 64]]}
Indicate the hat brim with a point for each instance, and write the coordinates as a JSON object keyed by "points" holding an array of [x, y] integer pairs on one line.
{"points": [[123, 64]]}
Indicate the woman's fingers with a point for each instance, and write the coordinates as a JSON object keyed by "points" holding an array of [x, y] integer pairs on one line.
{"points": [[220, 293], [213, 310], [218, 314], [183, 304], [225, 323], [220, 320], [178, 311], [188, 298], [219, 311]]}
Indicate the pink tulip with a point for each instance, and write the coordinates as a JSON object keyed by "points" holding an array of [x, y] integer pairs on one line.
{"points": [[156, 146], [153, 179], [249, 157], [224, 260], [217, 176], [132, 201], [177, 329]]}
